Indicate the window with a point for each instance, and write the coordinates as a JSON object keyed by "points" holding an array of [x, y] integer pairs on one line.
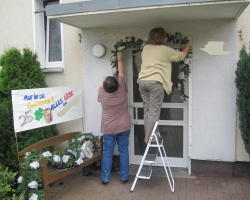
{"points": [[48, 37]]}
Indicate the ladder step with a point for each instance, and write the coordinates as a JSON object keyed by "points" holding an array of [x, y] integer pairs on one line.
{"points": [[155, 145], [145, 173], [150, 158]]}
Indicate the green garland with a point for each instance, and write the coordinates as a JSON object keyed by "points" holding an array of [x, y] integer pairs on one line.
{"points": [[138, 44], [30, 182]]}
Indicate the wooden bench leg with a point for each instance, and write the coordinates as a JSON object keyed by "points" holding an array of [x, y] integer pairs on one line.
{"points": [[46, 191]]}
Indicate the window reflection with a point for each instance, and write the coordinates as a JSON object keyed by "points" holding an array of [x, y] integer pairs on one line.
{"points": [[55, 52]]}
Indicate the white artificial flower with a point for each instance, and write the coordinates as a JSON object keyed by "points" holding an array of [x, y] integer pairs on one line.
{"points": [[73, 152], [179, 86], [79, 161], [33, 197], [186, 61], [129, 39], [81, 138], [121, 48], [65, 158], [34, 165], [27, 154], [33, 184], [181, 75], [82, 155], [114, 70], [19, 180], [46, 154], [56, 158], [182, 97], [113, 58]]}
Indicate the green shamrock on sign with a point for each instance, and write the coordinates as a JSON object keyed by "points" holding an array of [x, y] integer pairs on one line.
{"points": [[39, 114]]}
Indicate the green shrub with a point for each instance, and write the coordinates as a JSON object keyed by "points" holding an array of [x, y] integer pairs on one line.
{"points": [[19, 71], [7, 182], [242, 81]]}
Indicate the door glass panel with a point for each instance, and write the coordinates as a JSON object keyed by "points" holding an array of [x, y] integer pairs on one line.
{"points": [[174, 97], [136, 69], [139, 144], [171, 135], [166, 113], [173, 140]]}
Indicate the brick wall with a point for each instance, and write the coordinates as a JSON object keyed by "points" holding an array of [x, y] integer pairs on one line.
{"points": [[220, 169]]}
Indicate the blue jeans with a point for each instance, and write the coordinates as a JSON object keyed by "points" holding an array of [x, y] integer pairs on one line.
{"points": [[109, 142]]}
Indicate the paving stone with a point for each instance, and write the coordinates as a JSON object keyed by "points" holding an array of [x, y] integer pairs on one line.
{"points": [[77, 187]]}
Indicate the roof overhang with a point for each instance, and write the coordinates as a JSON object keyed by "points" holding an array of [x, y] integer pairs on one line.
{"points": [[104, 13]]}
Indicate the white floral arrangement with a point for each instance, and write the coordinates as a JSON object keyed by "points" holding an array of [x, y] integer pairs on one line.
{"points": [[30, 182], [138, 44]]}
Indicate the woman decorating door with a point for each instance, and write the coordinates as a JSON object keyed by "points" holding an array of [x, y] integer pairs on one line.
{"points": [[155, 76]]}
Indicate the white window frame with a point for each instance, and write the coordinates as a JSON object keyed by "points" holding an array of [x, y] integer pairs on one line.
{"points": [[41, 46]]}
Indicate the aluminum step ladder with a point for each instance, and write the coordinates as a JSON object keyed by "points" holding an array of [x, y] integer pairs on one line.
{"points": [[148, 160]]}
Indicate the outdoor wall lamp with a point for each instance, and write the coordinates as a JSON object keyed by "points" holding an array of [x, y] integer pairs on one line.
{"points": [[99, 50]]}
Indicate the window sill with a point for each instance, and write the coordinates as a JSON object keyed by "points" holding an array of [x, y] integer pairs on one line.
{"points": [[53, 70]]}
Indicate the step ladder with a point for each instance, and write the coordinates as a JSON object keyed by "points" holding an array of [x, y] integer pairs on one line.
{"points": [[148, 160]]}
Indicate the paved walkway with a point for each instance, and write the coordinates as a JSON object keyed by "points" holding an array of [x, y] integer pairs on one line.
{"points": [[78, 187]]}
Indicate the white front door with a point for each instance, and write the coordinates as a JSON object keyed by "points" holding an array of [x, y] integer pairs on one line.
{"points": [[173, 123]]}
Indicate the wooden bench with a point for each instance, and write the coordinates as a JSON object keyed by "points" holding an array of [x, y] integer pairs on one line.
{"points": [[50, 174]]}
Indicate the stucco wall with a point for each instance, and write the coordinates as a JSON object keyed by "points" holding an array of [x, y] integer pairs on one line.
{"points": [[244, 26], [214, 109], [14, 17]]}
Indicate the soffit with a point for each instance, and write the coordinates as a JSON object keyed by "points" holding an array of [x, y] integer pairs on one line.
{"points": [[89, 14]]}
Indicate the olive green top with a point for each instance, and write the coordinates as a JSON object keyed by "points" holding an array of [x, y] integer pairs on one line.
{"points": [[156, 64]]}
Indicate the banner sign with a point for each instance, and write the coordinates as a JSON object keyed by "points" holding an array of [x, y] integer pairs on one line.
{"points": [[34, 108]]}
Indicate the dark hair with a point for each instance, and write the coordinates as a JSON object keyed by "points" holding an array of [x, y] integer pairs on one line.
{"points": [[110, 84], [157, 36]]}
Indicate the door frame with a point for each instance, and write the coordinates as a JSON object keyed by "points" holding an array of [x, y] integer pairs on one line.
{"points": [[186, 123]]}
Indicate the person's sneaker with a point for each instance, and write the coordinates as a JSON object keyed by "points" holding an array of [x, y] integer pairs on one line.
{"points": [[105, 182], [124, 181]]}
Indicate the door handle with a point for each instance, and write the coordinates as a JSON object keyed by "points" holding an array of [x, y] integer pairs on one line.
{"points": [[134, 121]]}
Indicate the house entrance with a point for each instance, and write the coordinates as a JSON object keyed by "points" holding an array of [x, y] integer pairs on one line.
{"points": [[173, 122]]}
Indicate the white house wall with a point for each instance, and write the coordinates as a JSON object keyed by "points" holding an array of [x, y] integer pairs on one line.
{"points": [[214, 108], [14, 17]]}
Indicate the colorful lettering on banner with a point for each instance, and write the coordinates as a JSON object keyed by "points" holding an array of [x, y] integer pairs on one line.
{"points": [[33, 108]]}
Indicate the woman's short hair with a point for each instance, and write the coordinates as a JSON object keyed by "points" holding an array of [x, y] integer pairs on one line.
{"points": [[110, 84], [157, 36]]}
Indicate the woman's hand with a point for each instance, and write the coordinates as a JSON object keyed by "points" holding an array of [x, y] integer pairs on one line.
{"points": [[119, 55]]}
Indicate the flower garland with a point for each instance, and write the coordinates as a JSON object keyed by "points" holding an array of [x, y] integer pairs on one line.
{"points": [[171, 40], [30, 182]]}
